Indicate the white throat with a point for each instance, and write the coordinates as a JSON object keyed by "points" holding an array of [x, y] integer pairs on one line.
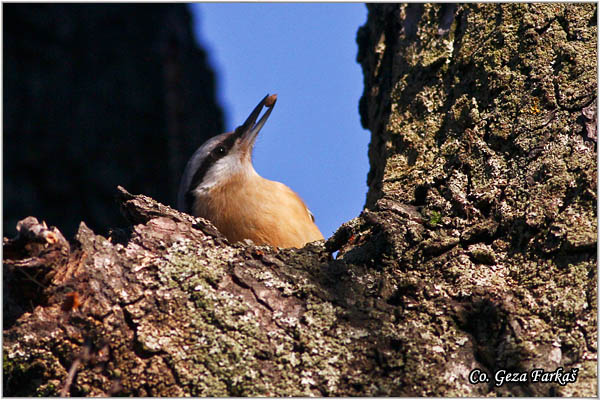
{"points": [[222, 171]]}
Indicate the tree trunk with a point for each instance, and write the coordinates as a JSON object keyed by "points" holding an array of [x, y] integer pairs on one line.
{"points": [[97, 95], [476, 251]]}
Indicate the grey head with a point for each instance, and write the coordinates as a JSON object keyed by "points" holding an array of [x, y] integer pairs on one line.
{"points": [[221, 157]]}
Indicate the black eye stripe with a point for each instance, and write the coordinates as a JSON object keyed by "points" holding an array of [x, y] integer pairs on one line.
{"points": [[220, 151]]}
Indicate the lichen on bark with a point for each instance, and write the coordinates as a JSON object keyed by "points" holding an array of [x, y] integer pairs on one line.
{"points": [[485, 132]]}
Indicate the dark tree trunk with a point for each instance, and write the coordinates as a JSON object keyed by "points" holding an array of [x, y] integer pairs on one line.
{"points": [[97, 95]]}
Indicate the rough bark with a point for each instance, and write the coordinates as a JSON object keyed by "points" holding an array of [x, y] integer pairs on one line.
{"points": [[477, 248], [488, 125]]}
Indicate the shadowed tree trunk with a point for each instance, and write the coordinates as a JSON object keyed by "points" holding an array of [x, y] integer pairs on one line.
{"points": [[476, 250], [97, 95]]}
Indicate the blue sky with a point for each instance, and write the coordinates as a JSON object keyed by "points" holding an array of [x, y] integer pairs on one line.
{"points": [[306, 53]]}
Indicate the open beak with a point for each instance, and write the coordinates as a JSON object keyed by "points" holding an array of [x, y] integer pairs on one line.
{"points": [[248, 131]]}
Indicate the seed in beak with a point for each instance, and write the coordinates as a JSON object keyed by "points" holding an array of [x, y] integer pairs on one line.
{"points": [[270, 101]]}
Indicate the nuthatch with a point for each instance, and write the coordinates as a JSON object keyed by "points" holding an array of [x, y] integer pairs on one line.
{"points": [[220, 184]]}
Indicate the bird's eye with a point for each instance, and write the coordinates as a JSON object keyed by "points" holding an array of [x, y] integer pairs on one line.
{"points": [[220, 151]]}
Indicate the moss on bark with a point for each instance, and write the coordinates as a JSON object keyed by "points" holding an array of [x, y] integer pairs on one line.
{"points": [[485, 131]]}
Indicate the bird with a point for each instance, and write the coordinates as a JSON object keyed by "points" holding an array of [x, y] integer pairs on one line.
{"points": [[220, 184]]}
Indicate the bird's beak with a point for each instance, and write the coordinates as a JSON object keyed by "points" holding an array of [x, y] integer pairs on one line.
{"points": [[248, 131]]}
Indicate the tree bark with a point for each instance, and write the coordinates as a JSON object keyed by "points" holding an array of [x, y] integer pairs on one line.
{"points": [[97, 95], [476, 250]]}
